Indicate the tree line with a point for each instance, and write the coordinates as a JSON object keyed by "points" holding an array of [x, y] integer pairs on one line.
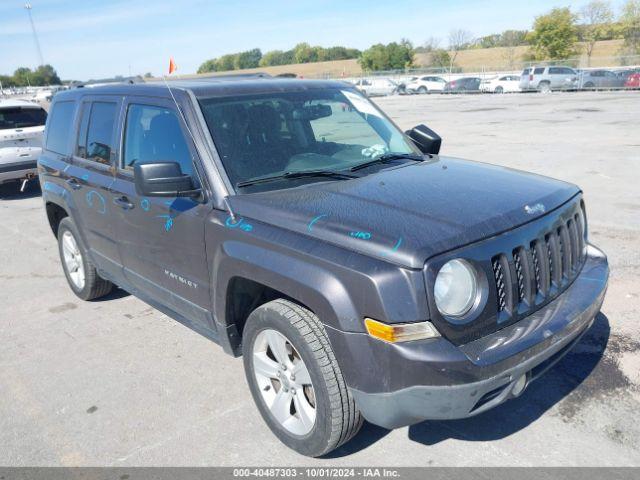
{"points": [[24, 77], [301, 53]]}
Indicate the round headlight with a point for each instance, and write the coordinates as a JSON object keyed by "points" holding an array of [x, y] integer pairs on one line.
{"points": [[456, 288]]}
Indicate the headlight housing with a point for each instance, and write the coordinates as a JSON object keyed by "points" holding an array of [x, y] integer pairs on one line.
{"points": [[456, 288]]}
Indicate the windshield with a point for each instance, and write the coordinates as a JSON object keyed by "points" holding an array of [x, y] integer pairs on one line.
{"points": [[19, 117], [323, 129]]}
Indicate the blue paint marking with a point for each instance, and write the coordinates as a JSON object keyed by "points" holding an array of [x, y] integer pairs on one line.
{"points": [[361, 235], [239, 223], [314, 220], [394, 249], [85, 177], [145, 205], [49, 187], [101, 206], [168, 224]]}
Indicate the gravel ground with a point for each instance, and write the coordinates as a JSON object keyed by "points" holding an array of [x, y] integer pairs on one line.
{"points": [[115, 382]]}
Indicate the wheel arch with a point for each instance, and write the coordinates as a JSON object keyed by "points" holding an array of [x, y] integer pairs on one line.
{"points": [[243, 270]]}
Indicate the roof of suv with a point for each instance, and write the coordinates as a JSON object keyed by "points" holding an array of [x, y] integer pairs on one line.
{"points": [[13, 103], [210, 87]]}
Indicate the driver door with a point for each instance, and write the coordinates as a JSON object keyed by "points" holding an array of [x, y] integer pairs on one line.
{"points": [[161, 239]]}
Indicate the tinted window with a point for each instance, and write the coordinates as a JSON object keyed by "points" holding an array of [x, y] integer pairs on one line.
{"points": [[60, 124], [153, 134], [21, 117], [539, 71], [99, 136]]}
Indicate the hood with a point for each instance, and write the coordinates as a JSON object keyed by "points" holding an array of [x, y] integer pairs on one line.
{"points": [[410, 213]]}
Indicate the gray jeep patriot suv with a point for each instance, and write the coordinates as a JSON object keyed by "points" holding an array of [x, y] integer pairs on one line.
{"points": [[358, 273]]}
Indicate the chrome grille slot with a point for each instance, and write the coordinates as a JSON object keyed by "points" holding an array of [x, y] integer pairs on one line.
{"points": [[565, 252], [502, 275], [523, 268], [579, 219], [573, 241]]}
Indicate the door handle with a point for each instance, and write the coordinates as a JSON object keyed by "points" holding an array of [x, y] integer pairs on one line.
{"points": [[73, 183], [123, 202]]}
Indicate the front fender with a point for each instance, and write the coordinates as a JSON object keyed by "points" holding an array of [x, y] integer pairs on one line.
{"points": [[340, 286]]}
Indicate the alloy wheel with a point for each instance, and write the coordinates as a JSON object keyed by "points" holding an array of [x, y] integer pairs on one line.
{"points": [[284, 382]]}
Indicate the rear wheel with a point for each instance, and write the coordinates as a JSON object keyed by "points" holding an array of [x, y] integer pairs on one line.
{"points": [[80, 272], [295, 379], [544, 87], [499, 89], [422, 90], [589, 85]]}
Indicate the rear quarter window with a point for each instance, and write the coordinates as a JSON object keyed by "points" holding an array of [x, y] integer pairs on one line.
{"points": [[59, 127], [539, 71]]}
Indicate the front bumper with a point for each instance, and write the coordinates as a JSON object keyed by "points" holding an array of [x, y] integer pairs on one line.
{"points": [[401, 384]]}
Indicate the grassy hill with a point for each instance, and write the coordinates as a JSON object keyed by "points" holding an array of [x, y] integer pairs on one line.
{"points": [[605, 54]]}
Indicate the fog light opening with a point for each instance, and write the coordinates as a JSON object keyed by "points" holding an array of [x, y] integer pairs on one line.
{"points": [[519, 385]]}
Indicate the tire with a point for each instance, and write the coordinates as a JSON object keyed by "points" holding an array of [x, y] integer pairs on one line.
{"points": [[499, 89], [337, 418], [422, 90], [589, 86], [92, 285], [544, 87]]}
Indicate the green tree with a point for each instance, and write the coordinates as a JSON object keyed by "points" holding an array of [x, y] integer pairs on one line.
{"points": [[45, 75], [554, 35], [305, 53], [596, 19], [630, 22], [207, 66], [248, 59], [394, 56], [440, 58], [23, 76]]}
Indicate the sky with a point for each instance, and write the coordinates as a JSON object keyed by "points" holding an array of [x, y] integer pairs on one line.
{"points": [[97, 39]]}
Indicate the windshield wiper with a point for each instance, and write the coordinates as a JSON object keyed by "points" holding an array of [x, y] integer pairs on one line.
{"points": [[292, 175], [386, 158]]}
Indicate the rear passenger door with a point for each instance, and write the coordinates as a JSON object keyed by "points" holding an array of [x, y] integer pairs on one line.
{"points": [[161, 240], [91, 175]]}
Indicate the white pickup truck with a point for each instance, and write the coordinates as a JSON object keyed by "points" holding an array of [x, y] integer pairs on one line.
{"points": [[21, 127]]}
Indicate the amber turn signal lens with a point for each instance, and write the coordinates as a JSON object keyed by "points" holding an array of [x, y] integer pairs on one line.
{"points": [[401, 332]]}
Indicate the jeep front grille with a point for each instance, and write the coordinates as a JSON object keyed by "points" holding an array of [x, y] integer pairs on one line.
{"points": [[538, 271]]}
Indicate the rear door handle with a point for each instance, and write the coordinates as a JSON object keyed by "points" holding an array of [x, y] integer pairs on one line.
{"points": [[73, 183], [123, 202]]}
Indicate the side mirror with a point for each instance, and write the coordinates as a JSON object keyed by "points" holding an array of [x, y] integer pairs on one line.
{"points": [[163, 180], [426, 140]]}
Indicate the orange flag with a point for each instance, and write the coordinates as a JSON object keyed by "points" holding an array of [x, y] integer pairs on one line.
{"points": [[172, 66]]}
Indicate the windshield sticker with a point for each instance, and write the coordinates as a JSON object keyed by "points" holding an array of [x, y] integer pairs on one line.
{"points": [[360, 104]]}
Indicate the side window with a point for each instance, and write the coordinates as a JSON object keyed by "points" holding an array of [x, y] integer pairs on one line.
{"points": [[60, 124], [554, 70], [539, 71], [152, 135], [95, 139]]}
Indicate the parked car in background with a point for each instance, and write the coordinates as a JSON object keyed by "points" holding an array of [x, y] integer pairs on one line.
{"points": [[21, 127], [598, 79], [426, 84], [465, 84], [43, 96], [377, 86], [545, 79], [632, 80], [501, 84]]}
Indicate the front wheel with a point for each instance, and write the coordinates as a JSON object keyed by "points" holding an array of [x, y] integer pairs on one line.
{"points": [[422, 90], [295, 379], [499, 89]]}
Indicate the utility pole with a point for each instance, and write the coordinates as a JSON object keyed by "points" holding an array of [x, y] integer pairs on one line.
{"points": [[28, 8]]}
